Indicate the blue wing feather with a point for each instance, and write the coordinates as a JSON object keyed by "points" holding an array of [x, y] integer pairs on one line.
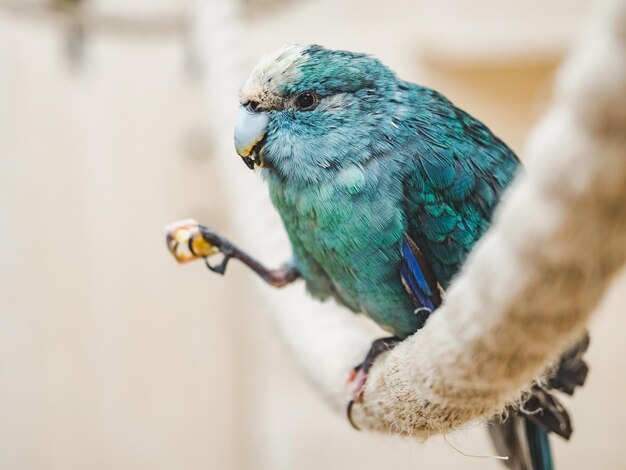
{"points": [[418, 278]]}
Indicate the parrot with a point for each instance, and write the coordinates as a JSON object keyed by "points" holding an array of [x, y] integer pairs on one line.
{"points": [[383, 187]]}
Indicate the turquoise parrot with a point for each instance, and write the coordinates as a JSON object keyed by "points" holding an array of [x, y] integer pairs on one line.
{"points": [[384, 187]]}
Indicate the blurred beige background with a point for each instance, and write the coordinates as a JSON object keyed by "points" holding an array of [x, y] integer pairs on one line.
{"points": [[114, 357]]}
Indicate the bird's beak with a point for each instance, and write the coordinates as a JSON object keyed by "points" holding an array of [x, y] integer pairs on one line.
{"points": [[250, 131]]}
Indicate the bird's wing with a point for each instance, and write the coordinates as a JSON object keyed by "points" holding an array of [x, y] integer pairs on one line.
{"points": [[455, 176]]}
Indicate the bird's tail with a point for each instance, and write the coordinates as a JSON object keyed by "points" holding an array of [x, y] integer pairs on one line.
{"points": [[539, 445], [524, 442], [523, 434]]}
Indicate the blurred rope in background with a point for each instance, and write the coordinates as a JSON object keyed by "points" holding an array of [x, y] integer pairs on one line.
{"points": [[79, 12], [79, 18], [146, 26]]}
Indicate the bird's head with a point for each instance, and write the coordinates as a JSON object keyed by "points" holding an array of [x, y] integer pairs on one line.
{"points": [[307, 111]]}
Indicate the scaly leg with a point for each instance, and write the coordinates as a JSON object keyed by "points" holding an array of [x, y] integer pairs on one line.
{"points": [[187, 240], [358, 375]]}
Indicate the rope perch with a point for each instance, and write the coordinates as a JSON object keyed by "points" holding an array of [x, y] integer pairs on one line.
{"points": [[529, 288]]}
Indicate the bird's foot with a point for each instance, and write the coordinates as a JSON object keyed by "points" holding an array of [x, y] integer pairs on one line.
{"points": [[187, 240], [357, 378]]}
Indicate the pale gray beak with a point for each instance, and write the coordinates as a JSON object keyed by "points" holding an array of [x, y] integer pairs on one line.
{"points": [[250, 129]]}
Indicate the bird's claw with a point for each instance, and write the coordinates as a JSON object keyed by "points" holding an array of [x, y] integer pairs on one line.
{"points": [[357, 378], [349, 414], [218, 268]]}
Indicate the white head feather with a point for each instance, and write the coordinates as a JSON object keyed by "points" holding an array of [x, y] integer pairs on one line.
{"points": [[271, 73]]}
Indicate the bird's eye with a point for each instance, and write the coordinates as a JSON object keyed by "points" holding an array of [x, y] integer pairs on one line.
{"points": [[306, 100]]}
